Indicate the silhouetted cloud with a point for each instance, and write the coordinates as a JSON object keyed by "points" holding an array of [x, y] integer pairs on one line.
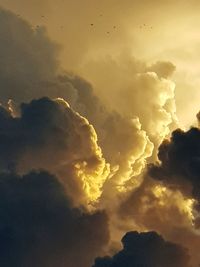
{"points": [[146, 249], [179, 165], [38, 226]]}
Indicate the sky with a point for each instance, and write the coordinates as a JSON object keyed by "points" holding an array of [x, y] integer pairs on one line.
{"points": [[147, 30], [99, 133]]}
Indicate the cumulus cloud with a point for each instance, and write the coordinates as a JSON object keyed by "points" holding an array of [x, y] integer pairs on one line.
{"points": [[138, 89], [130, 114], [38, 226], [146, 249], [169, 204], [50, 135], [127, 151], [40, 75]]}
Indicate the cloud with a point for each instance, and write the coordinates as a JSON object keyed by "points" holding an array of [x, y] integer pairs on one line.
{"points": [[153, 206], [163, 69], [168, 203], [95, 139], [152, 42], [146, 249], [28, 57], [137, 89], [38, 226], [49, 135], [39, 74], [178, 165]]}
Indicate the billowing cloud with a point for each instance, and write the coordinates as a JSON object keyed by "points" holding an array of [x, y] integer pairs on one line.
{"points": [[96, 138], [137, 89], [38, 226], [169, 203], [146, 249], [50, 135], [126, 150]]}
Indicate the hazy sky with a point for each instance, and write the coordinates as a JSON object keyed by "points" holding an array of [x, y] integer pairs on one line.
{"points": [[147, 30]]}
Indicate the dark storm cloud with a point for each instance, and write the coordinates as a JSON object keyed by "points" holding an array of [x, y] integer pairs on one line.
{"points": [[38, 227], [179, 165], [49, 135], [146, 250]]}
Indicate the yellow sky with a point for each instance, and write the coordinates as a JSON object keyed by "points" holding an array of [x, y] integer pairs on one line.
{"points": [[148, 30]]}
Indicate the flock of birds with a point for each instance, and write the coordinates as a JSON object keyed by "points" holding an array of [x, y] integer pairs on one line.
{"points": [[141, 27], [108, 32]]}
